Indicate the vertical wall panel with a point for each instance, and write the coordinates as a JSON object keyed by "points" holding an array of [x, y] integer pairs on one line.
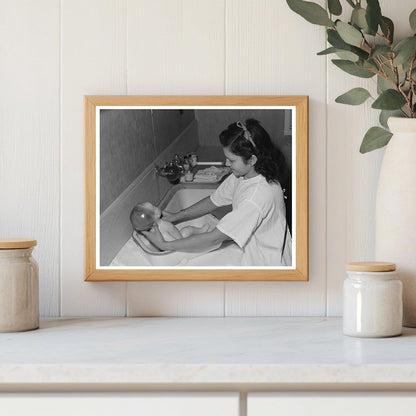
{"points": [[29, 135], [272, 51], [175, 299], [352, 178], [93, 63], [176, 47]]}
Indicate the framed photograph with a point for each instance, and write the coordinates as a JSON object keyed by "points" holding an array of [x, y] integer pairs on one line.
{"points": [[196, 188]]}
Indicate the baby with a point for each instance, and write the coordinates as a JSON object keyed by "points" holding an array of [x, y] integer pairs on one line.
{"points": [[144, 215]]}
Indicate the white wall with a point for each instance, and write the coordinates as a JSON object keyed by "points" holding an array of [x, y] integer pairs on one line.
{"points": [[55, 52]]}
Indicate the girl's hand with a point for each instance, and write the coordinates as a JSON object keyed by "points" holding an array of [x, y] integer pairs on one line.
{"points": [[155, 237]]}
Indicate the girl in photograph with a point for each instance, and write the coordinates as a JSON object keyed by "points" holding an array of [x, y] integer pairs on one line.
{"points": [[257, 222]]}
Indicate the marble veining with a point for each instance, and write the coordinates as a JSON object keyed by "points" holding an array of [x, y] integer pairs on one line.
{"points": [[203, 350]]}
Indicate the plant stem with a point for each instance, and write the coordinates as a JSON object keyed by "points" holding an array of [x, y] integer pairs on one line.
{"points": [[406, 97], [395, 71], [384, 73], [412, 88], [388, 34]]}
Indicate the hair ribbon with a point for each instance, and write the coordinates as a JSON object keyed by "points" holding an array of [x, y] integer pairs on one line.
{"points": [[247, 134]]}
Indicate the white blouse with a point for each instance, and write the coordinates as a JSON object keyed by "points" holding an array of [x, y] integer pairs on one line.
{"points": [[257, 222]]}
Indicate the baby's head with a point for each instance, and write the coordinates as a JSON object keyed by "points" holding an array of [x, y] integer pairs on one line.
{"points": [[144, 215]]}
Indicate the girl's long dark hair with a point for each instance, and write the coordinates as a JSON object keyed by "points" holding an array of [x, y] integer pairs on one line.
{"points": [[270, 163]]}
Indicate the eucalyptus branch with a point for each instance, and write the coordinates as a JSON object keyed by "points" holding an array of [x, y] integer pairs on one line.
{"points": [[388, 38], [389, 62], [413, 90], [384, 64], [380, 64], [412, 87], [382, 35], [384, 73], [386, 61], [395, 92], [409, 73], [395, 71], [406, 97]]}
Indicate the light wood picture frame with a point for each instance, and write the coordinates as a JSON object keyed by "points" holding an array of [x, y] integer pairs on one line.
{"points": [[127, 136]]}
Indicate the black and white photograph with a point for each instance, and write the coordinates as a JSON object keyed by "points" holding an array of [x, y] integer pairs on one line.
{"points": [[195, 187]]}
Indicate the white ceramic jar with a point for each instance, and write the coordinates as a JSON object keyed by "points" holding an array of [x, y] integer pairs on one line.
{"points": [[372, 298], [19, 286]]}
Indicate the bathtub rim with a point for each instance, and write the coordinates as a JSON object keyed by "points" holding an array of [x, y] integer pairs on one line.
{"points": [[163, 202]]}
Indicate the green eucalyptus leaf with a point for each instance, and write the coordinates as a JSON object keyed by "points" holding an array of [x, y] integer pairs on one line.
{"points": [[360, 52], [328, 51], [405, 43], [356, 96], [358, 18], [405, 50], [383, 84], [352, 68], [373, 15], [311, 12], [370, 65], [349, 34], [389, 100], [387, 27], [334, 7], [375, 138], [381, 50], [348, 56], [412, 20], [386, 114], [336, 41]]}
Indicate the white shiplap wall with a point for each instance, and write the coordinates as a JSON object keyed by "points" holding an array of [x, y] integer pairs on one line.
{"points": [[93, 61], [30, 134], [55, 52]]}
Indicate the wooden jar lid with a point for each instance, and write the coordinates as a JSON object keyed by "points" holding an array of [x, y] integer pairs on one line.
{"points": [[371, 266], [11, 243]]}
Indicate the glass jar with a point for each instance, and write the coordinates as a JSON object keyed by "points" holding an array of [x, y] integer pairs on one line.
{"points": [[372, 297], [19, 286], [189, 176]]}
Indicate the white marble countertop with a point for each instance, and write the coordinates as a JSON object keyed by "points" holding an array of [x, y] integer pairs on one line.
{"points": [[250, 352]]}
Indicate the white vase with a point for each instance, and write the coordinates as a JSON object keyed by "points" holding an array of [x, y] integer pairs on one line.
{"points": [[396, 210]]}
